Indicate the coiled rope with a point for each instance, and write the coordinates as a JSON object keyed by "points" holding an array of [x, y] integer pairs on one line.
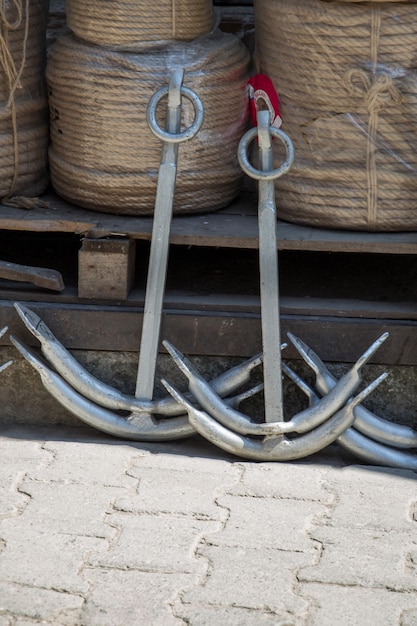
{"points": [[103, 155], [347, 78], [135, 24], [23, 104]]}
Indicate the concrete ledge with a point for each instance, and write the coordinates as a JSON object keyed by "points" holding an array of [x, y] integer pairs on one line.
{"points": [[23, 399]]}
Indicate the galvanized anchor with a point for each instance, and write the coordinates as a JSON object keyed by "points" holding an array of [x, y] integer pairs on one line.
{"points": [[302, 422], [366, 422], [107, 396], [322, 422], [4, 366], [272, 448], [74, 387], [371, 449]]}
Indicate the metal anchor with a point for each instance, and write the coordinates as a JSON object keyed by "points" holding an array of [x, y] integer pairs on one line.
{"points": [[225, 426], [268, 255], [107, 396], [4, 366], [272, 448], [85, 396], [366, 422], [302, 422], [365, 448]]}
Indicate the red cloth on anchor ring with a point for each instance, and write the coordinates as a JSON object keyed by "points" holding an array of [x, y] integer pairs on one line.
{"points": [[262, 88]]}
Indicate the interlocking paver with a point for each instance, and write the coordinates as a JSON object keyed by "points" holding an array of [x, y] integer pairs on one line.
{"points": [[260, 579], [199, 615], [183, 492], [100, 532], [162, 542], [18, 458], [367, 557], [35, 602], [268, 523], [132, 597], [87, 466], [44, 558], [356, 606], [286, 480], [71, 509], [375, 498]]}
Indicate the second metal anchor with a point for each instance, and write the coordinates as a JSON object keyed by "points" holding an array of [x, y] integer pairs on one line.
{"points": [[320, 424]]}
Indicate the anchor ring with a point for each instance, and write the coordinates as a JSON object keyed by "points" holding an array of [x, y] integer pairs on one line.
{"points": [[256, 174], [186, 134]]}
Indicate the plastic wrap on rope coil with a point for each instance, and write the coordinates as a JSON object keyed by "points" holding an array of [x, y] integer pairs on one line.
{"points": [[24, 109], [345, 72], [138, 24], [102, 154]]}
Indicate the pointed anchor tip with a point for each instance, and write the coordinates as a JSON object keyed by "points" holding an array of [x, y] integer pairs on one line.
{"points": [[27, 354], [364, 358], [178, 397], [173, 351], [20, 308], [368, 390], [310, 357], [6, 365], [183, 363], [30, 319]]}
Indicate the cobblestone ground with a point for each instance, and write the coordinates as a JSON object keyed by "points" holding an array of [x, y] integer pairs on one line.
{"points": [[100, 532]]}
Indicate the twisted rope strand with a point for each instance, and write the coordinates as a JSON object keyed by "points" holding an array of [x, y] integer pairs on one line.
{"points": [[23, 163], [346, 75], [103, 155], [134, 24]]}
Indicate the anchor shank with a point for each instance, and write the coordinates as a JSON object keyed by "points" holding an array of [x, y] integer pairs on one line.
{"points": [[269, 280], [158, 259]]}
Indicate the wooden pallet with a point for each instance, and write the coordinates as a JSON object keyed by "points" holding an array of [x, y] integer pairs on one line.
{"points": [[103, 309], [338, 327]]}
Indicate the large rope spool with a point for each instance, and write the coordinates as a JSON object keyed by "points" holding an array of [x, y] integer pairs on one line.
{"points": [[103, 155], [24, 131], [135, 24], [345, 72]]}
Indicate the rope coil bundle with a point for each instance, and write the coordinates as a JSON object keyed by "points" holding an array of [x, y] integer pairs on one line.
{"points": [[135, 24], [345, 72], [24, 131], [102, 154]]}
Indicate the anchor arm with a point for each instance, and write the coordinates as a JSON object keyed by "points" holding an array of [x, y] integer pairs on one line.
{"points": [[207, 397], [302, 422], [105, 395], [374, 452], [4, 366], [272, 448], [360, 445], [338, 393], [99, 417], [369, 424]]}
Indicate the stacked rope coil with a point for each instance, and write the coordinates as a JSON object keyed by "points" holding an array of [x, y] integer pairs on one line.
{"points": [[24, 131], [102, 154], [346, 75], [135, 24]]}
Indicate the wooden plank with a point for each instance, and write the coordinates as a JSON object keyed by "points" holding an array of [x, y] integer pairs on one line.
{"points": [[179, 300], [347, 308], [39, 276], [214, 333], [233, 227]]}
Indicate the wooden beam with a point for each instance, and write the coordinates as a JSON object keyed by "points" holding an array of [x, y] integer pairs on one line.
{"points": [[216, 333], [235, 226]]}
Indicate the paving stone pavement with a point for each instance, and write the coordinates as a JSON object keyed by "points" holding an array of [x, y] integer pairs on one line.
{"points": [[96, 531]]}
